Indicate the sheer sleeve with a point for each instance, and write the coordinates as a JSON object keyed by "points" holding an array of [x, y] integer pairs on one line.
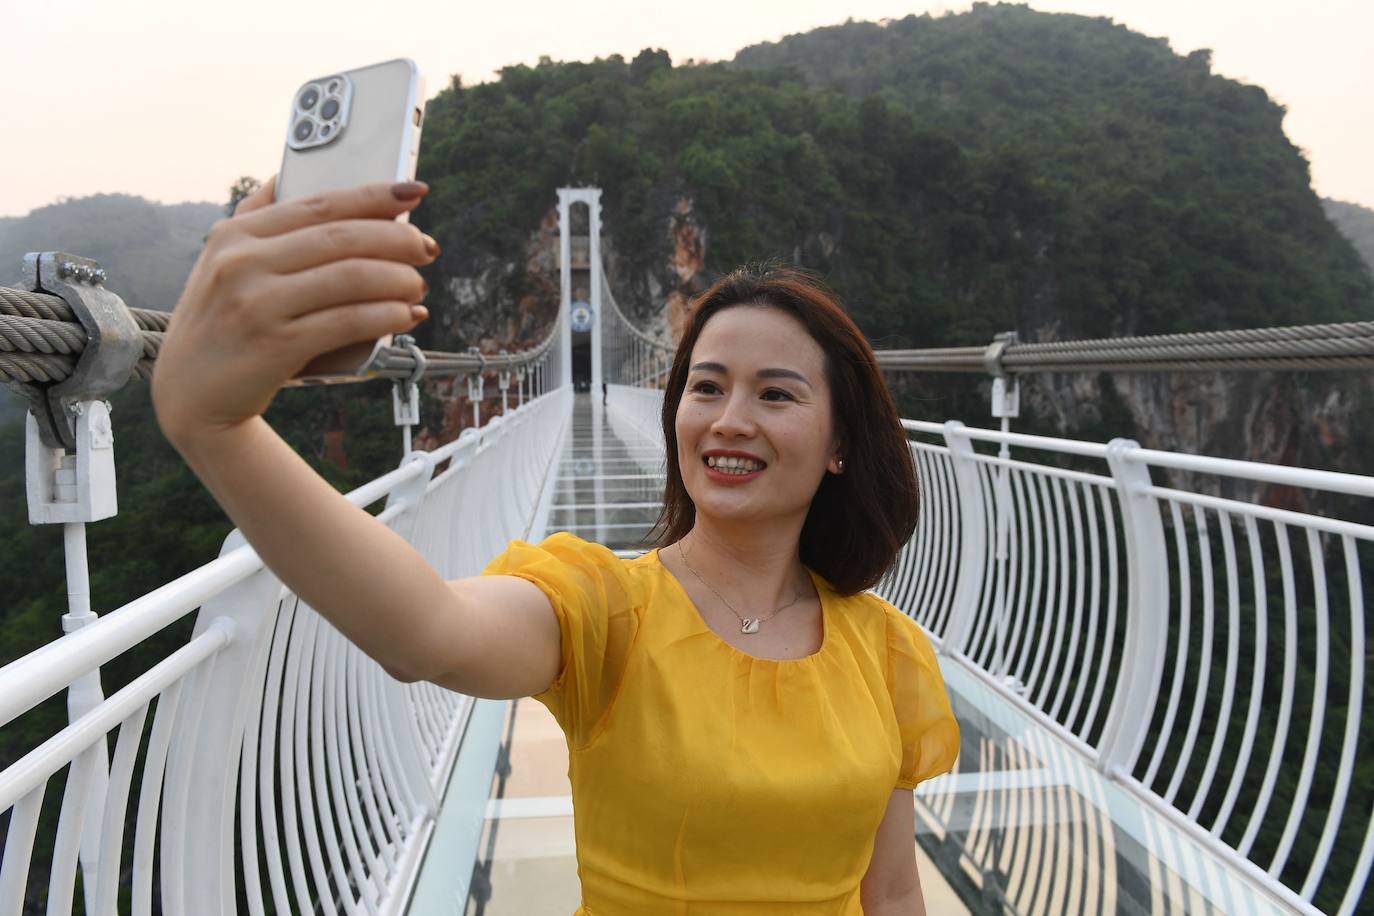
{"points": [[929, 732], [598, 614]]}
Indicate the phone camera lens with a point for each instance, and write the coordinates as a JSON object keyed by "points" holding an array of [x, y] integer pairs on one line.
{"points": [[325, 131], [329, 109], [303, 130], [308, 98]]}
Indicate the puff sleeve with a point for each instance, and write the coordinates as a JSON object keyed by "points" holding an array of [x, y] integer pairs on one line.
{"points": [[929, 732], [593, 598]]}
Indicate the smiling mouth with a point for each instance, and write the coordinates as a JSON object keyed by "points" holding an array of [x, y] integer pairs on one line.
{"points": [[732, 466]]}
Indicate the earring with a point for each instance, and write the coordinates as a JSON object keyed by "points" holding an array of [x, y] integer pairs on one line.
{"points": [[841, 466]]}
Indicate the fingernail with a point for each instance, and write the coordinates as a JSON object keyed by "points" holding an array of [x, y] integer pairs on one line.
{"points": [[409, 190], [419, 312], [431, 246]]}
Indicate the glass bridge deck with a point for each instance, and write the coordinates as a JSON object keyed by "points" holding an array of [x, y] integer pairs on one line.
{"points": [[1022, 825]]}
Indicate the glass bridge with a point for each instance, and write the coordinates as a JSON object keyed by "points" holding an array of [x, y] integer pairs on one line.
{"points": [[1158, 661]]}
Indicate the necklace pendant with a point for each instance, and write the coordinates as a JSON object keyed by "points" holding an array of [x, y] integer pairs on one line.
{"points": [[749, 625]]}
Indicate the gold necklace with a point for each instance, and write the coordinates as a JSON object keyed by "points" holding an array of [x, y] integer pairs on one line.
{"points": [[747, 624]]}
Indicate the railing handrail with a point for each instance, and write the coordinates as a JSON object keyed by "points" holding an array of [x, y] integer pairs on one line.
{"points": [[1284, 475]]}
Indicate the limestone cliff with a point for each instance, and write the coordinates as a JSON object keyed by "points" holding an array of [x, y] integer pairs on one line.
{"points": [[1302, 419]]}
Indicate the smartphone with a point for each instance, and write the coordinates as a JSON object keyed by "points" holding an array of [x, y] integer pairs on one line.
{"points": [[347, 129]]}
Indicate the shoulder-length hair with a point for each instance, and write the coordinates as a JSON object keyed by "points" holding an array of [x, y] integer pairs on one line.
{"points": [[858, 520]]}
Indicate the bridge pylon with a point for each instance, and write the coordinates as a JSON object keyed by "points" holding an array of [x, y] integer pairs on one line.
{"points": [[579, 264]]}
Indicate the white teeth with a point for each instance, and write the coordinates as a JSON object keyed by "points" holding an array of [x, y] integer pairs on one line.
{"points": [[733, 464]]}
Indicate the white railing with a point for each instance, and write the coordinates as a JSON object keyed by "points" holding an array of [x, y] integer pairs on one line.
{"points": [[1205, 652], [277, 751], [629, 356]]}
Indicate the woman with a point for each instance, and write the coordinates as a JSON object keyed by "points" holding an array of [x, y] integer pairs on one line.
{"points": [[745, 724]]}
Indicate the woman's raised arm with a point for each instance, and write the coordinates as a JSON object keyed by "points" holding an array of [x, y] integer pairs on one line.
{"points": [[277, 285]]}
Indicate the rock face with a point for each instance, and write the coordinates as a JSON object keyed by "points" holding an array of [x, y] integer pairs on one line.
{"points": [[1300, 419], [1296, 419]]}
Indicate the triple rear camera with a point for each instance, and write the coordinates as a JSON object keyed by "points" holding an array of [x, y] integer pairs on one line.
{"points": [[320, 106]]}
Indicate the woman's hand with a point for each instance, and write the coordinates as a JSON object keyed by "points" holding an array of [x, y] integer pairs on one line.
{"points": [[277, 285]]}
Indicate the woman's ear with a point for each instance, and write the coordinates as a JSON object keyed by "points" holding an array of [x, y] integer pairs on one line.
{"points": [[836, 465]]}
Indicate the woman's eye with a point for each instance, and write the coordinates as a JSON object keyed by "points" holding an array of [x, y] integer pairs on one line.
{"points": [[773, 394], [705, 387]]}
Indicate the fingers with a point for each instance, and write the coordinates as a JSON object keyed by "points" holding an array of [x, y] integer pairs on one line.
{"points": [[379, 200], [259, 198], [338, 285], [313, 246], [334, 328]]}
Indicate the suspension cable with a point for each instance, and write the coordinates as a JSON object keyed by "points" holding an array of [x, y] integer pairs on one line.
{"points": [[41, 340]]}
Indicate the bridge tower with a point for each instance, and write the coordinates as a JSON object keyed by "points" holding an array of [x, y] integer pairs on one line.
{"points": [[579, 264]]}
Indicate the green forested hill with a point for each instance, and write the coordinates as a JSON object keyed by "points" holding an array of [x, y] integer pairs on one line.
{"points": [[1174, 199], [147, 248], [952, 177], [1355, 223]]}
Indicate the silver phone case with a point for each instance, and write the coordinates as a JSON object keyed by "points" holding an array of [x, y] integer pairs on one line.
{"points": [[378, 139]]}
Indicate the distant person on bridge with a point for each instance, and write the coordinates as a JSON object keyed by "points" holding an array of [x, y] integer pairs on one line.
{"points": [[603, 392], [745, 721]]}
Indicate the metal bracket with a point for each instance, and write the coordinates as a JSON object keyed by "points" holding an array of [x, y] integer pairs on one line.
{"points": [[64, 487], [992, 356], [114, 342], [406, 408], [1006, 389], [1006, 397], [503, 375], [476, 383]]}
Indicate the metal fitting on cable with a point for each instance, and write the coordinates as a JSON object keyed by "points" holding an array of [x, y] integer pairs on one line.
{"points": [[114, 342], [481, 360], [406, 406], [503, 375], [992, 356], [1006, 389], [476, 382]]}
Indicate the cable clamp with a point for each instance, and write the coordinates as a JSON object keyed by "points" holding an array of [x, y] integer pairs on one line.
{"points": [[114, 343], [503, 376], [992, 356], [1006, 389], [405, 393]]}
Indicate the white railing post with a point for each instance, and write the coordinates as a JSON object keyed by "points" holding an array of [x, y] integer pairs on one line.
{"points": [[1147, 625], [411, 496], [973, 539], [207, 743]]}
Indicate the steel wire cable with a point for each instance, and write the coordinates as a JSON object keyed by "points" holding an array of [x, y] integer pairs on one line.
{"points": [[634, 331], [1303, 347], [41, 340]]}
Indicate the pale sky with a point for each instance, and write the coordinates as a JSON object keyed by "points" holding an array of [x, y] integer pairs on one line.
{"points": [[174, 99]]}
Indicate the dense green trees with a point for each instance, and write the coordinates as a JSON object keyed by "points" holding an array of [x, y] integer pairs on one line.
{"points": [[953, 177]]}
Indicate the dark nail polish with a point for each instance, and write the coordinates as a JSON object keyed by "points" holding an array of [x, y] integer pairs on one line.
{"points": [[409, 190]]}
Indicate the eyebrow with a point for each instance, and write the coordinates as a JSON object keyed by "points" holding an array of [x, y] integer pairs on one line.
{"points": [[762, 373]]}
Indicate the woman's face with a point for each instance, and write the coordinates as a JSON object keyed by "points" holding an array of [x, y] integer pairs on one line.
{"points": [[756, 398]]}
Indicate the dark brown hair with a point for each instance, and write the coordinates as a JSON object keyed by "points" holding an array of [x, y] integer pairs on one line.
{"points": [[860, 519]]}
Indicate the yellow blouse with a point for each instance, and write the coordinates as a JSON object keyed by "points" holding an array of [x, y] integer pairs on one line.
{"points": [[708, 782]]}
